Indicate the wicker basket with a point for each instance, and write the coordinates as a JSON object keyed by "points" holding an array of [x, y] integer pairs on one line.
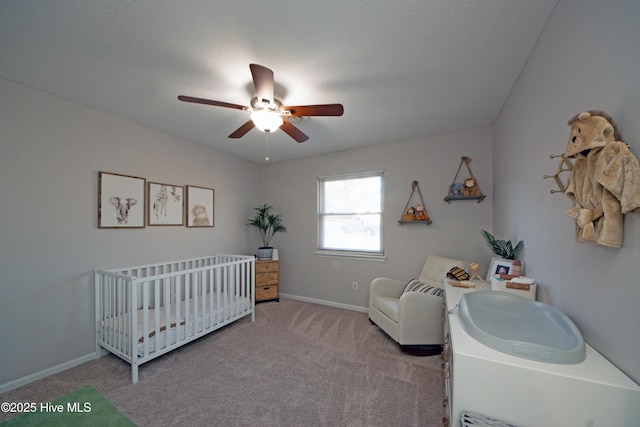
{"points": [[408, 217]]}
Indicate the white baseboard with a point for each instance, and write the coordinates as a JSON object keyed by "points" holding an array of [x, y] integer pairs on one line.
{"points": [[45, 373], [329, 303]]}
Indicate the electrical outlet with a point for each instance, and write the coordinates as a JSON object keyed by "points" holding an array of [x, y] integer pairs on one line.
{"points": [[354, 285]]}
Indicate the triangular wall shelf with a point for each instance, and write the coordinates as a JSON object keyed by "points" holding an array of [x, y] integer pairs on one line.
{"points": [[413, 214], [469, 189]]}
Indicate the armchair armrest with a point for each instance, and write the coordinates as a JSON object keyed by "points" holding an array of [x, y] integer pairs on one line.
{"points": [[384, 287]]}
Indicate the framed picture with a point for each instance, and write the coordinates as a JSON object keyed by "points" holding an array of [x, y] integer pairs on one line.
{"points": [[166, 204], [121, 201], [200, 206], [499, 266]]}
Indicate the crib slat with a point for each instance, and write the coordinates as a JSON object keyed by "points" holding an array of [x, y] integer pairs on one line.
{"points": [[133, 320], [195, 298], [234, 295], [166, 285], [119, 311], [187, 296], [211, 287], [203, 299], [157, 323], [218, 294], [178, 287]]}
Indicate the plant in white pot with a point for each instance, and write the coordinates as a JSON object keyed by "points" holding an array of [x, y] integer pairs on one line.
{"points": [[503, 248], [268, 224]]}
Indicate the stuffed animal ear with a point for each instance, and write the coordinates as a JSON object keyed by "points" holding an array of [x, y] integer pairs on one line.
{"points": [[584, 116], [608, 130]]}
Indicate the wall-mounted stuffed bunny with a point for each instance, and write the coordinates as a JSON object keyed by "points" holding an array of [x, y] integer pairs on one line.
{"points": [[605, 180]]}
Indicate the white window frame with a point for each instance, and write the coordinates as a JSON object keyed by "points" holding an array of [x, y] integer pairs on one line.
{"points": [[349, 253]]}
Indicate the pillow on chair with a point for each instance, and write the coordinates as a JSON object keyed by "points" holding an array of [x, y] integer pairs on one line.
{"points": [[416, 286]]}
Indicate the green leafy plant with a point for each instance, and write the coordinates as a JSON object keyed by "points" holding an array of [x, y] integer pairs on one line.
{"points": [[267, 223], [502, 248]]}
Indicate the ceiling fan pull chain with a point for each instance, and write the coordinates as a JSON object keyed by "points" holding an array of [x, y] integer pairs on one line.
{"points": [[266, 159]]}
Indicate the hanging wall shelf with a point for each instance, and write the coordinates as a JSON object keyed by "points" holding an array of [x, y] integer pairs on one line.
{"points": [[469, 189], [415, 214]]}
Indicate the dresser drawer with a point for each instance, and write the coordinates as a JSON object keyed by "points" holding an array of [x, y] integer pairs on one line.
{"points": [[266, 267], [267, 278], [266, 292]]}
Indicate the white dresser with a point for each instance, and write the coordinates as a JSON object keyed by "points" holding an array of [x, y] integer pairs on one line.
{"points": [[523, 392]]}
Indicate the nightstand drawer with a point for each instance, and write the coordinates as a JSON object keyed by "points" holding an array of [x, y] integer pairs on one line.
{"points": [[266, 292], [269, 278], [266, 267]]}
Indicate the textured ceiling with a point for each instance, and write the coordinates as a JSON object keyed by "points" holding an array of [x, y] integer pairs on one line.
{"points": [[402, 70]]}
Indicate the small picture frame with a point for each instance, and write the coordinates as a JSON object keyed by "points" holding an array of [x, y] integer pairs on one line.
{"points": [[166, 204], [200, 206], [121, 201], [499, 266]]}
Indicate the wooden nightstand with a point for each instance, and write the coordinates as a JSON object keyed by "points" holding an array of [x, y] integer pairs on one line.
{"points": [[267, 280]]}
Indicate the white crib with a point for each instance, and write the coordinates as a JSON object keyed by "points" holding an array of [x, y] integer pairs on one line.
{"points": [[146, 311]]}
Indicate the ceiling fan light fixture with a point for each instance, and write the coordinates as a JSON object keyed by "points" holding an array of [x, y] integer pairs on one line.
{"points": [[266, 120]]}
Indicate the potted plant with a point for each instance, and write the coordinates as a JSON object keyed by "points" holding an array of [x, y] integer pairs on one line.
{"points": [[502, 248], [267, 224]]}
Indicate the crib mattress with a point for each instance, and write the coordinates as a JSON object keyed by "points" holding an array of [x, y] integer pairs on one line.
{"points": [[189, 322]]}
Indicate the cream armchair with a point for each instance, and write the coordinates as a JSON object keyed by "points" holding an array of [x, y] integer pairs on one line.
{"points": [[413, 319]]}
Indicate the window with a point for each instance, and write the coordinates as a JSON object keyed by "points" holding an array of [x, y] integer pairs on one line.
{"points": [[350, 215]]}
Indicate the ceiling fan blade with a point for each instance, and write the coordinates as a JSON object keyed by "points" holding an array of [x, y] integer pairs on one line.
{"points": [[293, 131], [242, 130], [316, 110], [210, 102], [263, 82]]}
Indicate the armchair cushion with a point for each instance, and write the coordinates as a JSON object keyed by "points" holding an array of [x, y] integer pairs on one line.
{"points": [[388, 306]]}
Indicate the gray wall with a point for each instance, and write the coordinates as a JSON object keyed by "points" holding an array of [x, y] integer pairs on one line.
{"points": [[587, 58], [291, 187], [50, 153]]}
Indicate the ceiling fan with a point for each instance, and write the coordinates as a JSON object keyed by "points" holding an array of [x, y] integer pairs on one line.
{"points": [[267, 111]]}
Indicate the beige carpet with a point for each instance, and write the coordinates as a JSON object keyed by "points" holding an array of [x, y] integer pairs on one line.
{"points": [[298, 364]]}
